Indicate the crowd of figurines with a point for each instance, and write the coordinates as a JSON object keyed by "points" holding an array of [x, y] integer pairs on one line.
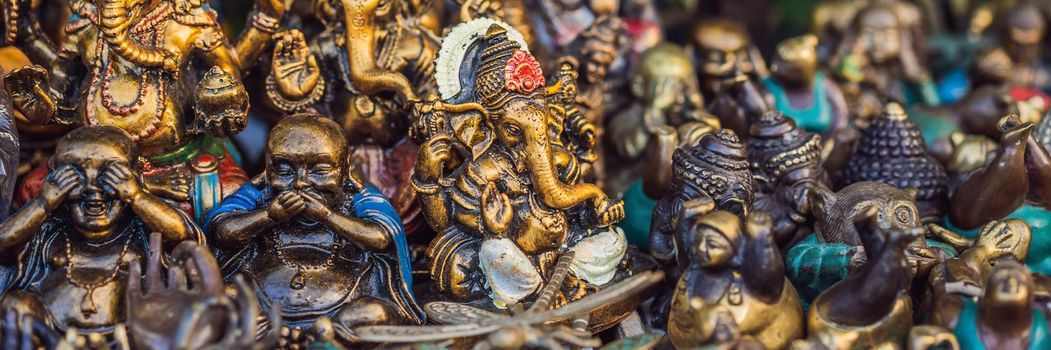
{"points": [[508, 174]]}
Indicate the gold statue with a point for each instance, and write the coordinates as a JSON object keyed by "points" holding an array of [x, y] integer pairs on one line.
{"points": [[877, 60], [734, 273], [498, 184], [314, 240], [164, 72], [72, 244], [729, 69], [667, 112], [365, 76]]}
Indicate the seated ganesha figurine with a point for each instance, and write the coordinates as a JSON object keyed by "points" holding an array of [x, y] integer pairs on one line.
{"points": [[497, 183], [312, 238], [71, 246]]}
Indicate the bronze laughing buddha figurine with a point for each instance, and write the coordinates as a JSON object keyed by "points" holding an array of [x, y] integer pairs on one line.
{"points": [[312, 238], [71, 246]]}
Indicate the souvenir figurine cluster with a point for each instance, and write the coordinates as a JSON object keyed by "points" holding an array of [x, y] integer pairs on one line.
{"points": [[513, 174]]}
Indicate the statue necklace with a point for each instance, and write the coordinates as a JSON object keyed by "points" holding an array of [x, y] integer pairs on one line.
{"points": [[87, 305], [298, 281]]}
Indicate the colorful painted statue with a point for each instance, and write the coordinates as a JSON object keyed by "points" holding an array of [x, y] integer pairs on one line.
{"points": [[876, 61], [891, 150], [802, 91], [365, 76], [313, 240], [837, 247], [786, 164], [871, 308], [729, 70], [735, 271], [499, 185], [70, 247], [162, 71], [1012, 184]]}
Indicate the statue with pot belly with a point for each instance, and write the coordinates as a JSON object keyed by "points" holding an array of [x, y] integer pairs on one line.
{"points": [[312, 239], [365, 75], [499, 185], [71, 246]]}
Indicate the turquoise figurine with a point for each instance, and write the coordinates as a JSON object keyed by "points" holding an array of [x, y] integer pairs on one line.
{"points": [[802, 91]]}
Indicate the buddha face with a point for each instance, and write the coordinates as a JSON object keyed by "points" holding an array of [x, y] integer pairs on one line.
{"points": [[721, 48], [93, 210], [306, 154], [713, 249], [596, 66], [879, 34]]}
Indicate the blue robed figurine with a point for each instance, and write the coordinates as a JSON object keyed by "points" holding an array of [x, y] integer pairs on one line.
{"points": [[312, 239]]}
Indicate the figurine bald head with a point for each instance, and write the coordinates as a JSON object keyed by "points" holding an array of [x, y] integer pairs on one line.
{"points": [[92, 152], [879, 30], [307, 153]]}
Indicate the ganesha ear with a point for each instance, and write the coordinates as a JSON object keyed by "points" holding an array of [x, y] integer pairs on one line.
{"points": [[474, 132]]}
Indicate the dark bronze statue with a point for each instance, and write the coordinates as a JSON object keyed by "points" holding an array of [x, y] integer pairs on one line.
{"points": [[365, 76], [735, 271], [837, 247], [713, 172], [71, 246], [877, 61], [1003, 317], [729, 70], [891, 150], [786, 163], [312, 239], [841, 319], [190, 309], [802, 91]]}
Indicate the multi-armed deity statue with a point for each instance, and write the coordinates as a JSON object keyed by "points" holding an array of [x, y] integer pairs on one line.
{"points": [[497, 182], [364, 69], [164, 72], [313, 239], [72, 245]]}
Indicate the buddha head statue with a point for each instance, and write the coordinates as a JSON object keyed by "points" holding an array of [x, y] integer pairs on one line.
{"points": [[96, 210], [307, 153], [720, 48]]}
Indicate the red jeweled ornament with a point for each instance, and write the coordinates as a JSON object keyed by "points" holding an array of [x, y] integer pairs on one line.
{"points": [[523, 73]]}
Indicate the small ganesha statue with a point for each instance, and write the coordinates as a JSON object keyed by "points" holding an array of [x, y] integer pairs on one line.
{"points": [[498, 182]]}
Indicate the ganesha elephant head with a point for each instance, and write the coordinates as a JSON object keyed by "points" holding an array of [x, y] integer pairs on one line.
{"points": [[522, 131], [116, 18]]}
